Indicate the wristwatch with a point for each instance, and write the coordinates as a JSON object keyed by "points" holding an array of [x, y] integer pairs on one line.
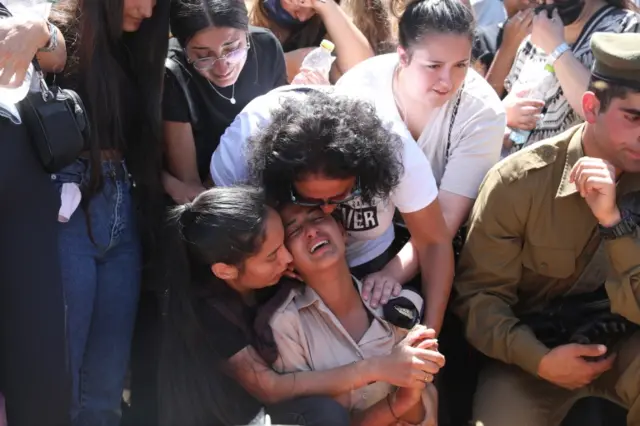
{"points": [[627, 226], [52, 44]]}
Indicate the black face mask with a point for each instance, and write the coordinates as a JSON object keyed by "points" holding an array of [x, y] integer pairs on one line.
{"points": [[569, 10]]}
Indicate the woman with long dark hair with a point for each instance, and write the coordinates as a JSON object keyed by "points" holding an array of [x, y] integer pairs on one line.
{"points": [[116, 52], [217, 344], [217, 64]]}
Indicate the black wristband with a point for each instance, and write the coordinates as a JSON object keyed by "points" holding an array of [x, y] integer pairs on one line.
{"points": [[626, 226]]}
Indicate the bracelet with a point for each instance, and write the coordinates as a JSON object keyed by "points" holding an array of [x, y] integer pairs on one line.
{"points": [[391, 407], [559, 51], [52, 44]]}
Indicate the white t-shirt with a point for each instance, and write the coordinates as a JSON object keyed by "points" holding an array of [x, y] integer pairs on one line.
{"points": [[370, 228], [477, 132]]}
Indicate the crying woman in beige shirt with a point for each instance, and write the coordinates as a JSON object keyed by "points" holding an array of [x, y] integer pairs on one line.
{"points": [[324, 324]]}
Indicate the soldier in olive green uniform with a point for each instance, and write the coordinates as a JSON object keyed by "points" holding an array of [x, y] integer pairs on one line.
{"points": [[550, 221]]}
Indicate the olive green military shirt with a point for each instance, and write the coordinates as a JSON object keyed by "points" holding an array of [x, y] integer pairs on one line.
{"points": [[527, 234]]}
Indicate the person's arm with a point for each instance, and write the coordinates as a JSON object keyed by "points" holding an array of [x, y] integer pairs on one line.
{"points": [[384, 412], [548, 34], [180, 152], [623, 285], [433, 244], [574, 79], [179, 144], [500, 67], [572, 74], [488, 273], [455, 209], [181, 179], [291, 375], [475, 148], [515, 31], [416, 199], [271, 387], [352, 47], [55, 60], [21, 38]]}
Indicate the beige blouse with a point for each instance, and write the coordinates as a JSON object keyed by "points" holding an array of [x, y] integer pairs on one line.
{"points": [[310, 338]]}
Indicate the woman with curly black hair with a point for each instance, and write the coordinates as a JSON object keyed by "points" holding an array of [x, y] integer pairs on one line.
{"points": [[313, 147]]}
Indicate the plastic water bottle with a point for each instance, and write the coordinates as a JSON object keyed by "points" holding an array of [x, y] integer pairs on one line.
{"points": [[539, 83], [319, 60], [13, 95]]}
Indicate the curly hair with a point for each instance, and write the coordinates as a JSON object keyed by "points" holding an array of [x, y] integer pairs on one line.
{"points": [[323, 133]]}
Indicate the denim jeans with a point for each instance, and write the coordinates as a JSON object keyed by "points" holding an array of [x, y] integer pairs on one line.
{"points": [[305, 411], [101, 280]]}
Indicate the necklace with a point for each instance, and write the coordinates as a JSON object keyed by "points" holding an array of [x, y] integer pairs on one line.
{"points": [[394, 85], [232, 99]]}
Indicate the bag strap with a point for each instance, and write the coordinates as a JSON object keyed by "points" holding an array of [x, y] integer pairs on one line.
{"points": [[588, 252], [456, 106], [176, 69]]}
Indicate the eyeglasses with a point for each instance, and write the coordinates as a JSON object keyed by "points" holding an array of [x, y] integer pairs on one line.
{"points": [[232, 58], [311, 202]]}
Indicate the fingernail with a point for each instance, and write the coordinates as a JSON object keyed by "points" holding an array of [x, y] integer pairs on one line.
{"points": [[602, 349]]}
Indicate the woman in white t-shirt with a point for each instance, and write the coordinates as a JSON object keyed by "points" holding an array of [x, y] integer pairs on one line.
{"points": [[434, 100], [311, 147]]}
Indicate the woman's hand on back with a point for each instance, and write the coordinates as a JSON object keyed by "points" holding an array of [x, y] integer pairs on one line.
{"points": [[378, 288], [20, 40]]}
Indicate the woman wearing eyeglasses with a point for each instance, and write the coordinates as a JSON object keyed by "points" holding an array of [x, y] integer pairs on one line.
{"points": [[312, 147], [216, 65]]}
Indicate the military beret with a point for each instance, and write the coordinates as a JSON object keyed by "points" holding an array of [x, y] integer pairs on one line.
{"points": [[617, 58]]}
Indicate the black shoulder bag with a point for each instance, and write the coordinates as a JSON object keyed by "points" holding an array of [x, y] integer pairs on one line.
{"points": [[56, 121]]}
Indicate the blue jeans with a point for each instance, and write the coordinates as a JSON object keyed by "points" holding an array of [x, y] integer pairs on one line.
{"points": [[305, 411], [101, 280]]}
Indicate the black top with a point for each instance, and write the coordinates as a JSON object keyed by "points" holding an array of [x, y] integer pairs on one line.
{"points": [[294, 42], [130, 102], [30, 231], [231, 338], [241, 407], [487, 42], [264, 70]]}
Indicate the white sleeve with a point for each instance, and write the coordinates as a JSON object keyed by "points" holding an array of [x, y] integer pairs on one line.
{"points": [[229, 164], [229, 160], [477, 148], [417, 188]]}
